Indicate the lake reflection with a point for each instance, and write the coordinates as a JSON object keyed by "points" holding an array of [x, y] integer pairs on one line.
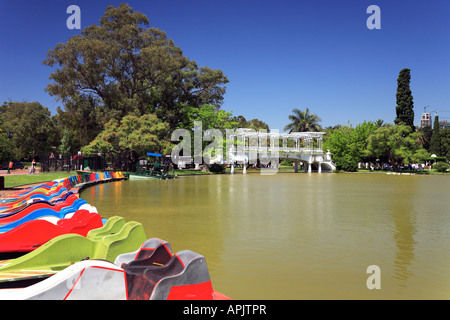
{"points": [[299, 236]]}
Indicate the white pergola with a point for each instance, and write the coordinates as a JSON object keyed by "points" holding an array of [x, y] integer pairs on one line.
{"points": [[306, 147]]}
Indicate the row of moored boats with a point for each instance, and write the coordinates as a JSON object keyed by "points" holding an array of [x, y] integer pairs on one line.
{"points": [[54, 245]]}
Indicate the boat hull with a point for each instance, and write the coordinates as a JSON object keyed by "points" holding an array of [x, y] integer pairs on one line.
{"points": [[85, 280], [62, 251], [32, 234], [152, 272], [149, 177]]}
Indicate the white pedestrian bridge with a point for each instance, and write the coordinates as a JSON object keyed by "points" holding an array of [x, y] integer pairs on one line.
{"points": [[306, 148]]}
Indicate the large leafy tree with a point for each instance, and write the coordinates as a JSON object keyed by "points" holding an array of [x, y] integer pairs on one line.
{"points": [[254, 124], [6, 147], [125, 141], [210, 116], [426, 132], [82, 119], [405, 105], [211, 119], [348, 144], [396, 145], [302, 121], [445, 143], [34, 130], [123, 66]]}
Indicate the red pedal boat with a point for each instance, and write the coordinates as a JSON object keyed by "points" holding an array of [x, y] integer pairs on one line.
{"points": [[32, 234]]}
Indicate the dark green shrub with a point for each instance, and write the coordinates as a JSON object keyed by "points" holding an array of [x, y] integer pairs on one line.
{"points": [[346, 164], [217, 168], [441, 166], [287, 162]]}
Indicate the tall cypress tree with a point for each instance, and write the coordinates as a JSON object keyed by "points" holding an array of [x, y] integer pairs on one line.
{"points": [[435, 143], [405, 105]]}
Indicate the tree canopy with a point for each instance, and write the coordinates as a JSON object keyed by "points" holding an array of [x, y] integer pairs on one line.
{"points": [[123, 66], [396, 145], [34, 130], [130, 138], [210, 116], [348, 144], [254, 124], [6, 148], [445, 143]]}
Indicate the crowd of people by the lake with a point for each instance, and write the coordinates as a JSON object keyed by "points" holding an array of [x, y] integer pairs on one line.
{"points": [[402, 167]]}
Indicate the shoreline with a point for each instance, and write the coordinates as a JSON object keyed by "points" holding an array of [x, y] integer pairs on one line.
{"points": [[7, 191]]}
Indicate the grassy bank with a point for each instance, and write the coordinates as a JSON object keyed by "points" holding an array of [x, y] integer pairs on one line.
{"points": [[24, 179]]}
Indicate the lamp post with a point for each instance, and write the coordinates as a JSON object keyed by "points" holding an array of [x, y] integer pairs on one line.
{"points": [[10, 135]]}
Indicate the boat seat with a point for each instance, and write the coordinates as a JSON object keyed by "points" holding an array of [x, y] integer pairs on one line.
{"points": [[145, 251], [158, 257], [185, 276], [142, 275], [159, 253], [191, 283]]}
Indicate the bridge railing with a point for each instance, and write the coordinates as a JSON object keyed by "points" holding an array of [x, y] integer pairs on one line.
{"points": [[235, 149]]}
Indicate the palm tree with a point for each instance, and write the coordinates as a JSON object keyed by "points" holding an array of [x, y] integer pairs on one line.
{"points": [[303, 121], [379, 123]]}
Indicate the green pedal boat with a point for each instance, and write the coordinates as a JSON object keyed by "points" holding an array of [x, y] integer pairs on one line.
{"points": [[106, 243]]}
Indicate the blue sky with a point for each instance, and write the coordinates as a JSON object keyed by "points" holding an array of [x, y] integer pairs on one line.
{"points": [[278, 55]]}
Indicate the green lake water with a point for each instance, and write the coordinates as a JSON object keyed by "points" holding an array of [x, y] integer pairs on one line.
{"points": [[299, 236]]}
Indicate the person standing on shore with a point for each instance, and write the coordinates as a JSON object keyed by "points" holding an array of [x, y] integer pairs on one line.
{"points": [[33, 166]]}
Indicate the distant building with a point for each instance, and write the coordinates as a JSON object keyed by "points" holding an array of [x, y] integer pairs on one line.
{"points": [[444, 124], [425, 120]]}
